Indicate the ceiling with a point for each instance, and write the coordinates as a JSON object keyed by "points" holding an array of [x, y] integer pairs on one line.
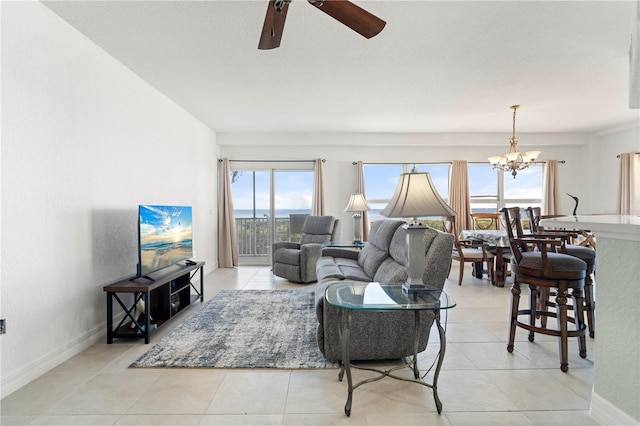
{"points": [[438, 66]]}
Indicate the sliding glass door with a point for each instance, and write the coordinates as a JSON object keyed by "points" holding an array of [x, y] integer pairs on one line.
{"points": [[270, 203]]}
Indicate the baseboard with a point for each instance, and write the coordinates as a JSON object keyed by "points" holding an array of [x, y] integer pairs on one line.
{"points": [[605, 413], [14, 381]]}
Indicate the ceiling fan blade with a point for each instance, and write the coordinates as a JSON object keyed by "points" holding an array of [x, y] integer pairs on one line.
{"points": [[273, 24], [351, 15]]}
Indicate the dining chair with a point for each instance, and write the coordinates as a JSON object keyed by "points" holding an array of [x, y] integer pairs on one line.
{"points": [[486, 220], [469, 251]]}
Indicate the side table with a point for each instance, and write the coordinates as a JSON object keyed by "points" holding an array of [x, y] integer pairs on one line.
{"points": [[352, 296], [345, 244]]}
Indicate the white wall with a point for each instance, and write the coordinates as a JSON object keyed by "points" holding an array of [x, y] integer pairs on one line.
{"points": [[341, 150], [84, 141]]}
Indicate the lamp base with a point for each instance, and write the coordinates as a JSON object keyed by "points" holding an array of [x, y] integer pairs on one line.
{"points": [[413, 288]]}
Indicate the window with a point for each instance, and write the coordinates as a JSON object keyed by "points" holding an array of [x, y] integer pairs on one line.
{"points": [[483, 188], [491, 189], [526, 189], [381, 181], [380, 184], [264, 198]]}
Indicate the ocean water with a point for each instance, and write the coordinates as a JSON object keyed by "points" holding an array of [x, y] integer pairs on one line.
{"points": [[284, 213], [260, 213]]}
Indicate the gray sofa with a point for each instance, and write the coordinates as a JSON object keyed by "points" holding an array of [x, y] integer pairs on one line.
{"points": [[378, 335]]}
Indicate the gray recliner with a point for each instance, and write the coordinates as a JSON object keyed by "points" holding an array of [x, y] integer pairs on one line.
{"points": [[297, 261]]}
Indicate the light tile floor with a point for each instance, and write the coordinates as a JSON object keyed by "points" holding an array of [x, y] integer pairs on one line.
{"points": [[480, 383]]}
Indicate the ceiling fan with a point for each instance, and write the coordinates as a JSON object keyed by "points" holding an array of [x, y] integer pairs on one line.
{"points": [[349, 14]]}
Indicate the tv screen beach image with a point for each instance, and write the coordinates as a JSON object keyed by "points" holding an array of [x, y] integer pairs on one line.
{"points": [[165, 236]]}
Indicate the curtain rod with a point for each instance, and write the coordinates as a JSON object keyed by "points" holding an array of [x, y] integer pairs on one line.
{"points": [[470, 162], [618, 156], [535, 162], [435, 162], [270, 161]]}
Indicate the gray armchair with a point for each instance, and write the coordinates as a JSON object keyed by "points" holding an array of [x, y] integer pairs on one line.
{"points": [[297, 261]]}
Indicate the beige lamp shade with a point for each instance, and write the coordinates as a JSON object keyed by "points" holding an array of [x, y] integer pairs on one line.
{"points": [[416, 196], [357, 203]]}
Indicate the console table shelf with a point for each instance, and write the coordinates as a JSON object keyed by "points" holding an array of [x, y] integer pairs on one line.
{"points": [[155, 299]]}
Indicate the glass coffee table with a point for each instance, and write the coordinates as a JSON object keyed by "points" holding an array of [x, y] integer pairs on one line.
{"points": [[352, 296]]}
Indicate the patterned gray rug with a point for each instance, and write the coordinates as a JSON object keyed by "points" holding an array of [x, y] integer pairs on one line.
{"points": [[244, 329]]}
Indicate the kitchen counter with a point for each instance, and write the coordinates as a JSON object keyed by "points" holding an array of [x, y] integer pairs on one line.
{"points": [[615, 398]]}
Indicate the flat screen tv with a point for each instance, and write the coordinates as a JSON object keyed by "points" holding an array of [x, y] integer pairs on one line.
{"points": [[164, 237]]}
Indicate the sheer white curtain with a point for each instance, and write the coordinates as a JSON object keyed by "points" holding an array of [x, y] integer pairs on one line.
{"points": [[459, 198], [550, 188], [227, 240], [318, 202], [629, 184]]}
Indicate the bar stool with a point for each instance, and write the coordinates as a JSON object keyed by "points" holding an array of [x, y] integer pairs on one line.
{"points": [[587, 254], [544, 269]]}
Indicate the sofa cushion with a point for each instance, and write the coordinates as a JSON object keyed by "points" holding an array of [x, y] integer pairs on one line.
{"points": [[391, 272], [354, 273], [317, 229], [343, 261], [399, 248], [371, 258], [326, 267], [314, 239], [382, 232]]}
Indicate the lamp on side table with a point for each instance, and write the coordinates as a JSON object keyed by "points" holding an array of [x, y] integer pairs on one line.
{"points": [[357, 205], [416, 196]]}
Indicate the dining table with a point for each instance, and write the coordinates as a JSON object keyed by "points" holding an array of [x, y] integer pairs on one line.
{"points": [[498, 241]]}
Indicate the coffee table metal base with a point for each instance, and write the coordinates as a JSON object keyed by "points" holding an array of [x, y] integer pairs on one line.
{"points": [[347, 366]]}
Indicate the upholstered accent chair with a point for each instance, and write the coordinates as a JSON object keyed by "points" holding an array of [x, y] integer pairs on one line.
{"points": [[297, 261]]}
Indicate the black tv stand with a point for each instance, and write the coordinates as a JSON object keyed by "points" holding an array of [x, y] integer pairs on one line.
{"points": [[166, 295], [146, 277]]}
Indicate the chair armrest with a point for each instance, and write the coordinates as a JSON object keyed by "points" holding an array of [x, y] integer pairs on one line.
{"points": [[543, 246], [309, 255], [285, 244], [340, 252], [567, 236]]}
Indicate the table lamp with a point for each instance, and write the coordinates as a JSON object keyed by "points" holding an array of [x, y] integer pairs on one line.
{"points": [[416, 196], [357, 204]]}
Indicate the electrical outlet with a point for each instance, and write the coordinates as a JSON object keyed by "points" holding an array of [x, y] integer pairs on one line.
{"points": [[3, 326]]}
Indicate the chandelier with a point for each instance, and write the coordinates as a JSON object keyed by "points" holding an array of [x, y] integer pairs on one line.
{"points": [[514, 161]]}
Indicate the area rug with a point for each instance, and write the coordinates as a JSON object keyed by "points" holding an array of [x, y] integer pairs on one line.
{"points": [[244, 329]]}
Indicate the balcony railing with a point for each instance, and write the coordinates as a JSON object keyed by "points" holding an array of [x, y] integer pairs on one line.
{"points": [[254, 241], [253, 235]]}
